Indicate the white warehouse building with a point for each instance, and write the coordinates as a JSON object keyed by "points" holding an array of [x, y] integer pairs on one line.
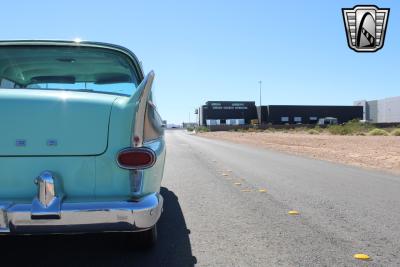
{"points": [[385, 110]]}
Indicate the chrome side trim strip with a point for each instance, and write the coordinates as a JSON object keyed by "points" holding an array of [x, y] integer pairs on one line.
{"points": [[136, 182]]}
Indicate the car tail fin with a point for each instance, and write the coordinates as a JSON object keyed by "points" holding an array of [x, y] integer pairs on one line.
{"points": [[147, 122]]}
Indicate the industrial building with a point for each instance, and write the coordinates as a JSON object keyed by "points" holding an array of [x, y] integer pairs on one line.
{"points": [[385, 110], [227, 112], [294, 114], [242, 112]]}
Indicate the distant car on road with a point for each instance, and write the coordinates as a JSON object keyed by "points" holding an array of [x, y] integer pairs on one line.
{"points": [[82, 145]]}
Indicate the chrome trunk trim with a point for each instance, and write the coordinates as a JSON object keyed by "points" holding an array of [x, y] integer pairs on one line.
{"points": [[47, 203]]}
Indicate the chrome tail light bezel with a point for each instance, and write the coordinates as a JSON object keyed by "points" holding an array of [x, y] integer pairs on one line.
{"points": [[145, 150]]}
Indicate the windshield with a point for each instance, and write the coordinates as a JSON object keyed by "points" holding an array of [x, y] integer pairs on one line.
{"points": [[76, 68]]}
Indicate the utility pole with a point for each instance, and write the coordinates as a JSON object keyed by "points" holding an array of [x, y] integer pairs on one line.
{"points": [[196, 112], [260, 82]]}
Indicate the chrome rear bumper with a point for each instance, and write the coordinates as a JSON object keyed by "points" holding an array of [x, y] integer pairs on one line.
{"points": [[83, 217]]}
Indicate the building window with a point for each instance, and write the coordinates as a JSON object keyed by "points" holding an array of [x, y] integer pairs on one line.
{"points": [[297, 119], [213, 122], [284, 119], [313, 118]]}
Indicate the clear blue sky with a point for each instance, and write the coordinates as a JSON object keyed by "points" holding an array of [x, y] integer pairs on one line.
{"points": [[219, 50]]}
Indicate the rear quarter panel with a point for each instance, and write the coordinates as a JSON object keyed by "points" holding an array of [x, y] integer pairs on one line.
{"points": [[113, 181]]}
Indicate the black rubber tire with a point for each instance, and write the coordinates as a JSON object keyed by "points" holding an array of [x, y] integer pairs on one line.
{"points": [[148, 238], [144, 240]]}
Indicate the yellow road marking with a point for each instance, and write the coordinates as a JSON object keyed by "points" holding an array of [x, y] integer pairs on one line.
{"points": [[361, 257], [262, 190], [246, 190], [237, 183], [293, 212]]}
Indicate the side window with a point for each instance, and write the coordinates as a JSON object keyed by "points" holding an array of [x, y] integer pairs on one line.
{"points": [[5, 83]]}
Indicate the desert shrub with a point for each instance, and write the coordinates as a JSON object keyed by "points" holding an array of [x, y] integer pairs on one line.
{"points": [[298, 129], [396, 132], [339, 130], [202, 129], [353, 127], [253, 130], [312, 131], [377, 131], [319, 129], [189, 129]]}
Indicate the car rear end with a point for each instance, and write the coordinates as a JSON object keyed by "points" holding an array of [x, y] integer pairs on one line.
{"points": [[81, 143]]}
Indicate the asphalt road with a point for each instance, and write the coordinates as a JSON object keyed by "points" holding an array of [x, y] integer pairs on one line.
{"points": [[215, 215]]}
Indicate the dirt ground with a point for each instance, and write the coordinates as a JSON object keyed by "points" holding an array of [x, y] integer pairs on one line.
{"points": [[373, 152]]}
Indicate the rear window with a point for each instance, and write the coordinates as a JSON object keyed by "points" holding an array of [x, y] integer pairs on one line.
{"points": [[76, 68]]}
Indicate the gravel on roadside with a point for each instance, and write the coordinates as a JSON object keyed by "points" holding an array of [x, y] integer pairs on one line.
{"points": [[374, 152]]}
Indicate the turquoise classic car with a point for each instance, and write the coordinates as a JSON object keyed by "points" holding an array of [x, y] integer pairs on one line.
{"points": [[81, 143]]}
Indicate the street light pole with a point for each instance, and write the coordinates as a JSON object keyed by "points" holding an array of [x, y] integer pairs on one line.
{"points": [[260, 82]]}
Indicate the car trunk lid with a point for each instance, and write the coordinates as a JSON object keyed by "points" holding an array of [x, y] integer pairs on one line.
{"points": [[53, 122]]}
